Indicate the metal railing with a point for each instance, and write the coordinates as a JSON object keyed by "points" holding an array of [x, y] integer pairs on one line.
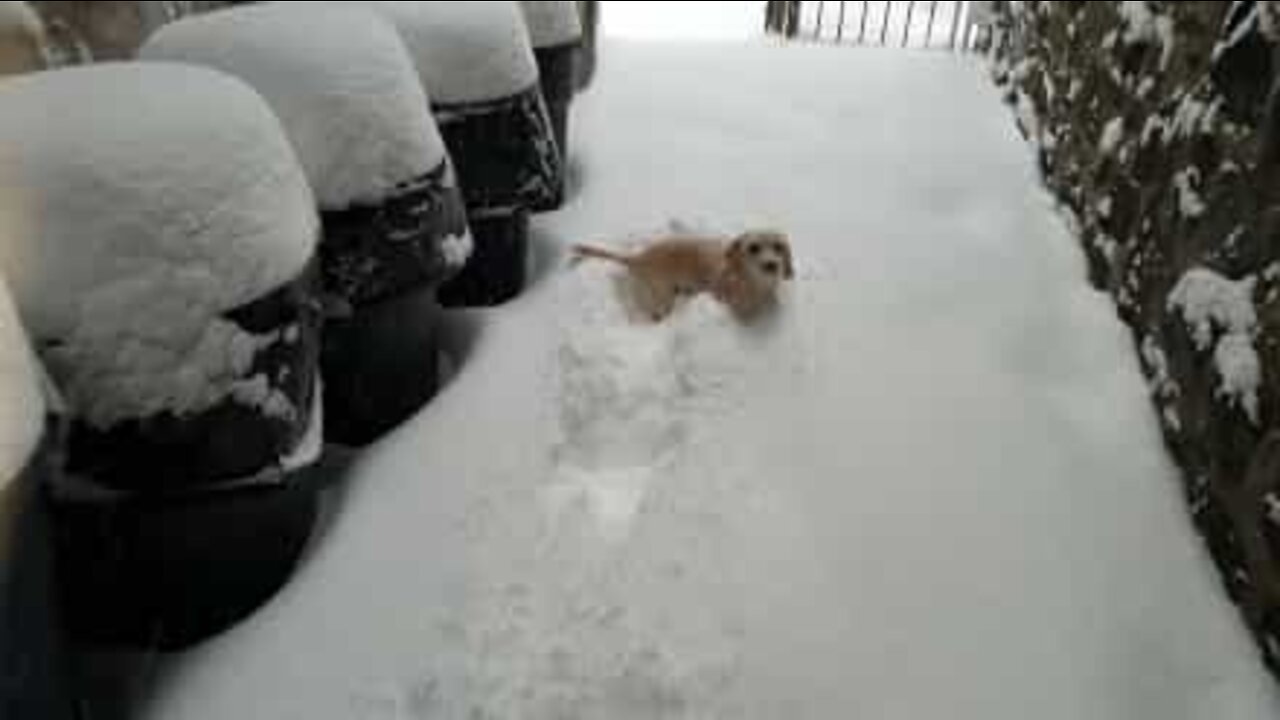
{"points": [[932, 24]]}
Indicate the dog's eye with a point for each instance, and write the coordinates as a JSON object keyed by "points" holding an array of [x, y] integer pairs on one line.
{"points": [[754, 249]]}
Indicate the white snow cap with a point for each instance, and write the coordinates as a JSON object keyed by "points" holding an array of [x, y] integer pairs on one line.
{"points": [[466, 51], [552, 22], [340, 80], [21, 404], [141, 201], [1221, 315], [21, 38]]}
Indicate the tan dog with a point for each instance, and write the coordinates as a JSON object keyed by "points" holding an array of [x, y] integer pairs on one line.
{"points": [[743, 273]]}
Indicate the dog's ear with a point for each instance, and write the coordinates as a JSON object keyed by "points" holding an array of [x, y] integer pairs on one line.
{"points": [[788, 267], [737, 250]]}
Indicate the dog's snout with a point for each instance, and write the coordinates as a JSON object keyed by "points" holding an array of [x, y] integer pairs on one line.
{"points": [[772, 267]]}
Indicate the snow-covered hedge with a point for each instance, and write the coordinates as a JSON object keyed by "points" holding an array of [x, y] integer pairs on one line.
{"points": [[1154, 122], [156, 232]]}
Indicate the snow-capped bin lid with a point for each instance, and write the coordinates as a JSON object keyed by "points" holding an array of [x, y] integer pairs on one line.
{"points": [[552, 22], [142, 201], [22, 406], [466, 51], [21, 38], [340, 80]]}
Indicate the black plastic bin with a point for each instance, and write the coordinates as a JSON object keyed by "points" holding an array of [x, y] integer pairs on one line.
{"points": [[555, 31], [394, 223], [34, 657], [556, 72], [496, 127], [508, 165], [178, 312]]}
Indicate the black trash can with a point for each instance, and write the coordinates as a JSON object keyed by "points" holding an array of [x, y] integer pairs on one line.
{"points": [[555, 29], [34, 659], [176, 307], [394, 222], [496, 127]]}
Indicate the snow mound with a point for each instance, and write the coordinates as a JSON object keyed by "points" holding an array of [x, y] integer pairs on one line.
{"points": [[552, 22], [22, 407], [339, 79], [466, 51], [142, 202]]}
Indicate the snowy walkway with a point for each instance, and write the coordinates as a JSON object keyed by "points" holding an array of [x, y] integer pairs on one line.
{"points": [[932, 489]]}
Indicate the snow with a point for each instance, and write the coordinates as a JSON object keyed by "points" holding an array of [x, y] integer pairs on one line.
{"points": [[1141, 25], [1190, 204], [931, 486], [703, 20], [1269, 19], [144, 200], [456, 249], [552, 22], [22, 406], [465, 51], [339, 79], [1192, 116], [1104, 207], [1244, 26], [1112, 136], [1221, 315]]}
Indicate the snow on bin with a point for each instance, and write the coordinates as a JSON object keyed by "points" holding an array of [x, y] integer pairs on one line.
{"points": [[351, 102], [555, 30], [22, 39], [476, 61], [32, 657], [158, 236]]}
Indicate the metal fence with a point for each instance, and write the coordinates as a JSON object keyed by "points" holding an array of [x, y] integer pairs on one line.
{"points": [[932, 24]]}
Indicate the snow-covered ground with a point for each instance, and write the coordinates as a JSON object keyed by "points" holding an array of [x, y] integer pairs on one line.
{"points": [[931, 487], [721, 20]]}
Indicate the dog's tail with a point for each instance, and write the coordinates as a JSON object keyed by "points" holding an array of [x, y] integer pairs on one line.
{"points": [[582, 252]]}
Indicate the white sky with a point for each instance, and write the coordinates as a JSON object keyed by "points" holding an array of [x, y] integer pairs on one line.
{"points": [[682, 19]]}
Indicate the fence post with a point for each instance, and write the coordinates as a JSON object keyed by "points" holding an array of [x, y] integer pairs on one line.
{"points": [[933, 14], [793, 18], [955, 22], [906, 29]]}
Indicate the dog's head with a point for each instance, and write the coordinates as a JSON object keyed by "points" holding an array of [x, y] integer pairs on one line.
{"points": [[765, 255]]}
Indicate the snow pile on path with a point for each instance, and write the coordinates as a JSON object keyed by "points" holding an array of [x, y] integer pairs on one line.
{"points": [[932, 486], [552, 22], [22, 406], [339, 79], [1221, 315], [142, 202], [465, 51]]}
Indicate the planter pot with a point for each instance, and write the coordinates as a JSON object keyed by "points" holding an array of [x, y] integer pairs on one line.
{"points": [[498, 268], [381, 366]]}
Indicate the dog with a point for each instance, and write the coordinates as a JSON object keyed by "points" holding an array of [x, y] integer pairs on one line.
{"points": [[744, 273]]}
